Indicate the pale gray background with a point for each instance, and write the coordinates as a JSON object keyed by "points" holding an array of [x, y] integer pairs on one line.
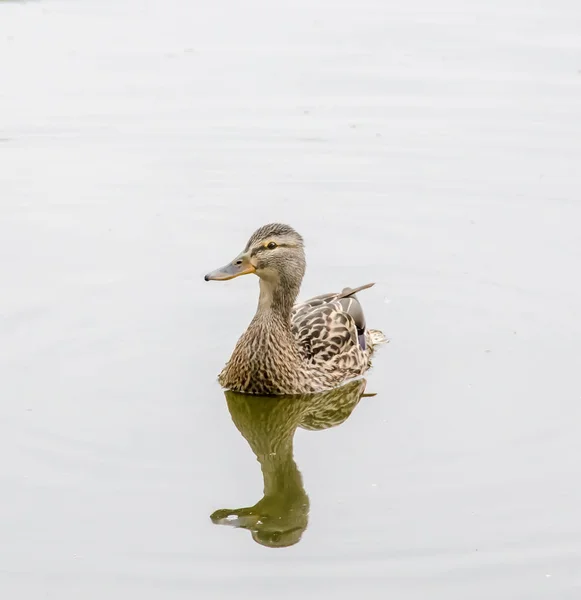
{"points": [[434, 147]]}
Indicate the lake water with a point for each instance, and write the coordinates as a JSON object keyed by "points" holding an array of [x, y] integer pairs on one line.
{"points": [[434, 148]]}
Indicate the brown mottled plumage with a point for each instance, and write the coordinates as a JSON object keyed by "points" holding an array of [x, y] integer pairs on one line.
{"points": [[314, 346]]}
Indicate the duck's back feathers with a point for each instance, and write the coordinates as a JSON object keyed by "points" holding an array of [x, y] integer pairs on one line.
{"points": [[332, 336]]}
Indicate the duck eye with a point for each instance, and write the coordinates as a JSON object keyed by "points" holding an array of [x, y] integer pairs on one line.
{"points": [[271, 245]]}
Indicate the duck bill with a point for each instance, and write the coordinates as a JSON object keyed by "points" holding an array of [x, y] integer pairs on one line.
{"points": [[241, 265]]}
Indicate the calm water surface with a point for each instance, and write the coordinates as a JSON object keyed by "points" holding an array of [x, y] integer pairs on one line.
{"points": [[434, 150]]}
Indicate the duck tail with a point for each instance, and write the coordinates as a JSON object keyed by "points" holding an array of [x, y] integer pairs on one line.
{"points": [[350, 291], [377, 337]]}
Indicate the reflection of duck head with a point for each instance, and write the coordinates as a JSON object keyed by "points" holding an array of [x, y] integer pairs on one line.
{"points": [[268, 424]]}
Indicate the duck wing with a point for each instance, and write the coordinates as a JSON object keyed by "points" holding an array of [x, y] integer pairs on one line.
{"points": [[330, 325]]}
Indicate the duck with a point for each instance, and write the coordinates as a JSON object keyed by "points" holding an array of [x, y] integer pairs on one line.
{"points": [[294, 348]]}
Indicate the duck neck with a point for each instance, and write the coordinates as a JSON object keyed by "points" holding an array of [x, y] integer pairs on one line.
{"points": [[277, 298]]}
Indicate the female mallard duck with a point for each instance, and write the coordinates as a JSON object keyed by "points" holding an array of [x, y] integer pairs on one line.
{"points": [[293, 349]]}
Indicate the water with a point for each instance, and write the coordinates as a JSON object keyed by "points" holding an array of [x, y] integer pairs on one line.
{"points": [[434, 150]]}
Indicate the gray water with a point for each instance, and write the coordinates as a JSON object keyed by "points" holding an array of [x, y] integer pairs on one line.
{"points": [[433, 148]]}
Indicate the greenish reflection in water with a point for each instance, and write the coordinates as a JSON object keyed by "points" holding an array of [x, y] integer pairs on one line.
{"points": [[268, 423]]}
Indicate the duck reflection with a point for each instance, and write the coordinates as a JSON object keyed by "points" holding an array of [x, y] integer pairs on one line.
{"points": [[268, 423]]}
